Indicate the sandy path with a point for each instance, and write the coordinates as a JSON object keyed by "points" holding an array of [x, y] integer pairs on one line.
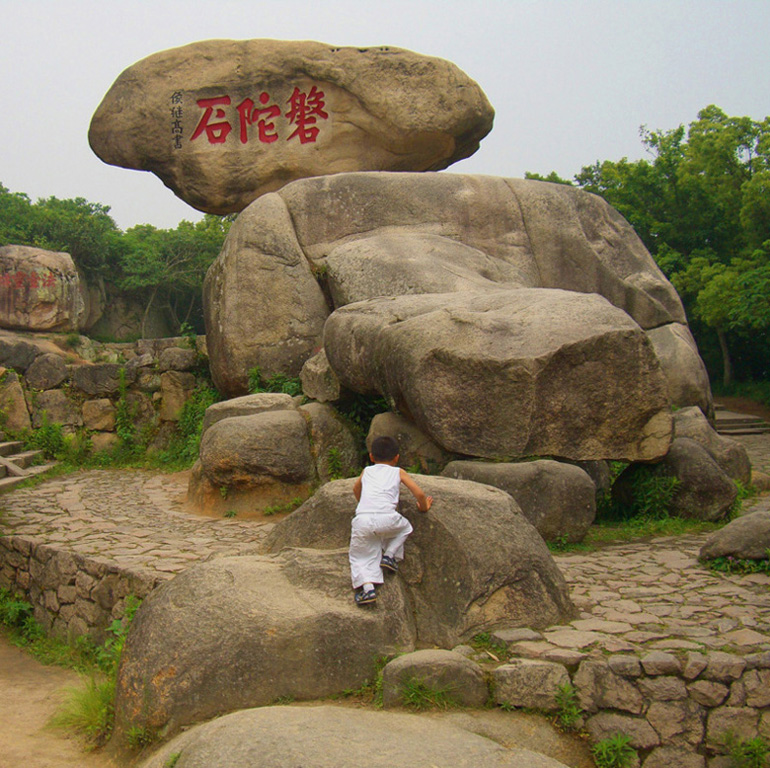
{"points": [[30, 692]]}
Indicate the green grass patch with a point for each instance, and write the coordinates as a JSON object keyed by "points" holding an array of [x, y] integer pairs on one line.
{"points": [[485, 643], [614, 752], [416, 694], [730, 564]]}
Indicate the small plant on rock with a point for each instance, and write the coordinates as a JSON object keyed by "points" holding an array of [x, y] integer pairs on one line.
{"points": [[746, 753], [614, 752], [139, 737], [570, 715]]}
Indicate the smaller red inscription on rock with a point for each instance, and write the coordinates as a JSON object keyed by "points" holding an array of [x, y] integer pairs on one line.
{"points": [[305, 108], [216, 133]]}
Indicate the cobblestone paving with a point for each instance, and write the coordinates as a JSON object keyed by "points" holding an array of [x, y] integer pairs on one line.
{"points": [[632, 597]]}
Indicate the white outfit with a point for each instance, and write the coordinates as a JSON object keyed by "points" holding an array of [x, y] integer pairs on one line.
{"points": [[377, 528]]}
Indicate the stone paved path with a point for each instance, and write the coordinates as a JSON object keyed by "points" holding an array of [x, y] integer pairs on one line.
{"points": [[632, 597]]}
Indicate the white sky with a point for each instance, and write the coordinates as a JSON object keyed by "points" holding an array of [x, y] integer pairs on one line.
{"points": [[571, 80]]}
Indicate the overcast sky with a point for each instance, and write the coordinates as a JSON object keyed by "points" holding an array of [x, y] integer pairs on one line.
{"points": [[571, 81]]}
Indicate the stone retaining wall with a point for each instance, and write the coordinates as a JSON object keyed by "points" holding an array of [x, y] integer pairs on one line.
{"points": [[82, 391], [676, 709], [72, 595]]}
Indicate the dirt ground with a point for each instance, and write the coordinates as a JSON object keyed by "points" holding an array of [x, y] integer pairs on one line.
{"points": [[742, 405], [29, 695]]}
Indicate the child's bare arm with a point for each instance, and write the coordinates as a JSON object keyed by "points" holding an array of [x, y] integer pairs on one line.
{"points": [[423, 502], [357, 488]]}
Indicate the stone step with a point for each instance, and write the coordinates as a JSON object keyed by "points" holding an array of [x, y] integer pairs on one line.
{"points": [[747, 430], [6, 483], [729, 421], [9, 447], [25, 458]]}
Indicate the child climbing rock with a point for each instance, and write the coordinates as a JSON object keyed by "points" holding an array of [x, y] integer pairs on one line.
{"points": [[378, 530]]}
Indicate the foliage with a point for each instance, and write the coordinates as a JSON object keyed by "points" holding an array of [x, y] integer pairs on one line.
{"points": [[361, 409], [230, 513], [613, 752], [165, 268], [279, 509], [730, 564], [183, 449], [173, 759], [418, 695], [48, 438], [277, 382], [334, 464], [748, 753], [139, 737], [569, 715], [648, 494], [88, 710], [371, 691], [485, 643]]}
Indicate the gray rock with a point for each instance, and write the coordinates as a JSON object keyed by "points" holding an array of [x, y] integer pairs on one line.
{"points": [[245, 631], [425, 354], [673, 757], [625, 665], [99, 415], [757, 684], [599, 687], [333, 445], [448, 675], [416, 449], [746, 537], [248, 451], [742, 722], [729, 454], [661, 663], [502, 572], [606, 724], [694, 664], [57, 408], [248, 405], [177, 359], [705, 491], [176, 388], [707, 692], [99, 379], [319, 382], [337, 737], [663, 688], [262, 304], [723, 667], [686, 375], [558, 499], [510, 636], [17, 354], [529, 683], [335, 109], [678, 723], [47, 371], [12, 402], [496, 232], [44, 291]]}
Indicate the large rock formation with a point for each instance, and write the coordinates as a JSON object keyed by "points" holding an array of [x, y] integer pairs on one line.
{"points": [[245, 631], [473, 563], [41, 290], [337, 737], [478, 251], [221, 122]]}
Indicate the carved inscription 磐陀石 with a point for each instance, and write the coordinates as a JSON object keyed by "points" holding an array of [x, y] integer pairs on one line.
{"points": [[261, 121]]}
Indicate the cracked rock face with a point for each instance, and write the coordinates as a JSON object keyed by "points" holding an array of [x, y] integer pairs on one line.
{"points": [[222, 122]]}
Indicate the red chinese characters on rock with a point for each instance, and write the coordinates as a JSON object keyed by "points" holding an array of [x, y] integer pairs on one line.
{"points": [[31, 280], [305, 110]]}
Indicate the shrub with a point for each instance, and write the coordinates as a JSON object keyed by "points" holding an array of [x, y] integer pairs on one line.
{"points": [[613, 752]]}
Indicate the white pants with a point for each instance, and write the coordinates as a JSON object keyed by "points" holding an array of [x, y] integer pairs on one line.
{"points": [[371, 537]]}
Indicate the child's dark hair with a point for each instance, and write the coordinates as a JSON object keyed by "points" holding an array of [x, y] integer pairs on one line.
{"points": [[384, 449]]}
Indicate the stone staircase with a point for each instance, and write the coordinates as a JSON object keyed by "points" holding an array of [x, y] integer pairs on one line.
{"points": [[16, 464], [731, 423]]}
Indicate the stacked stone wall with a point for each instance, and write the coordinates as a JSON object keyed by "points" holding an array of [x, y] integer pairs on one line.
{"points": [[157, 377], [677, 710], [72, 595]]}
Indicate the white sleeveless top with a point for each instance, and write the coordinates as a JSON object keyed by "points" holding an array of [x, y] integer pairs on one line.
{"points": [[380, 488]]}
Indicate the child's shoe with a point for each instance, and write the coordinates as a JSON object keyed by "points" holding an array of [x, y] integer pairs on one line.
{"points": [[363, 597], [389, 563]]}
